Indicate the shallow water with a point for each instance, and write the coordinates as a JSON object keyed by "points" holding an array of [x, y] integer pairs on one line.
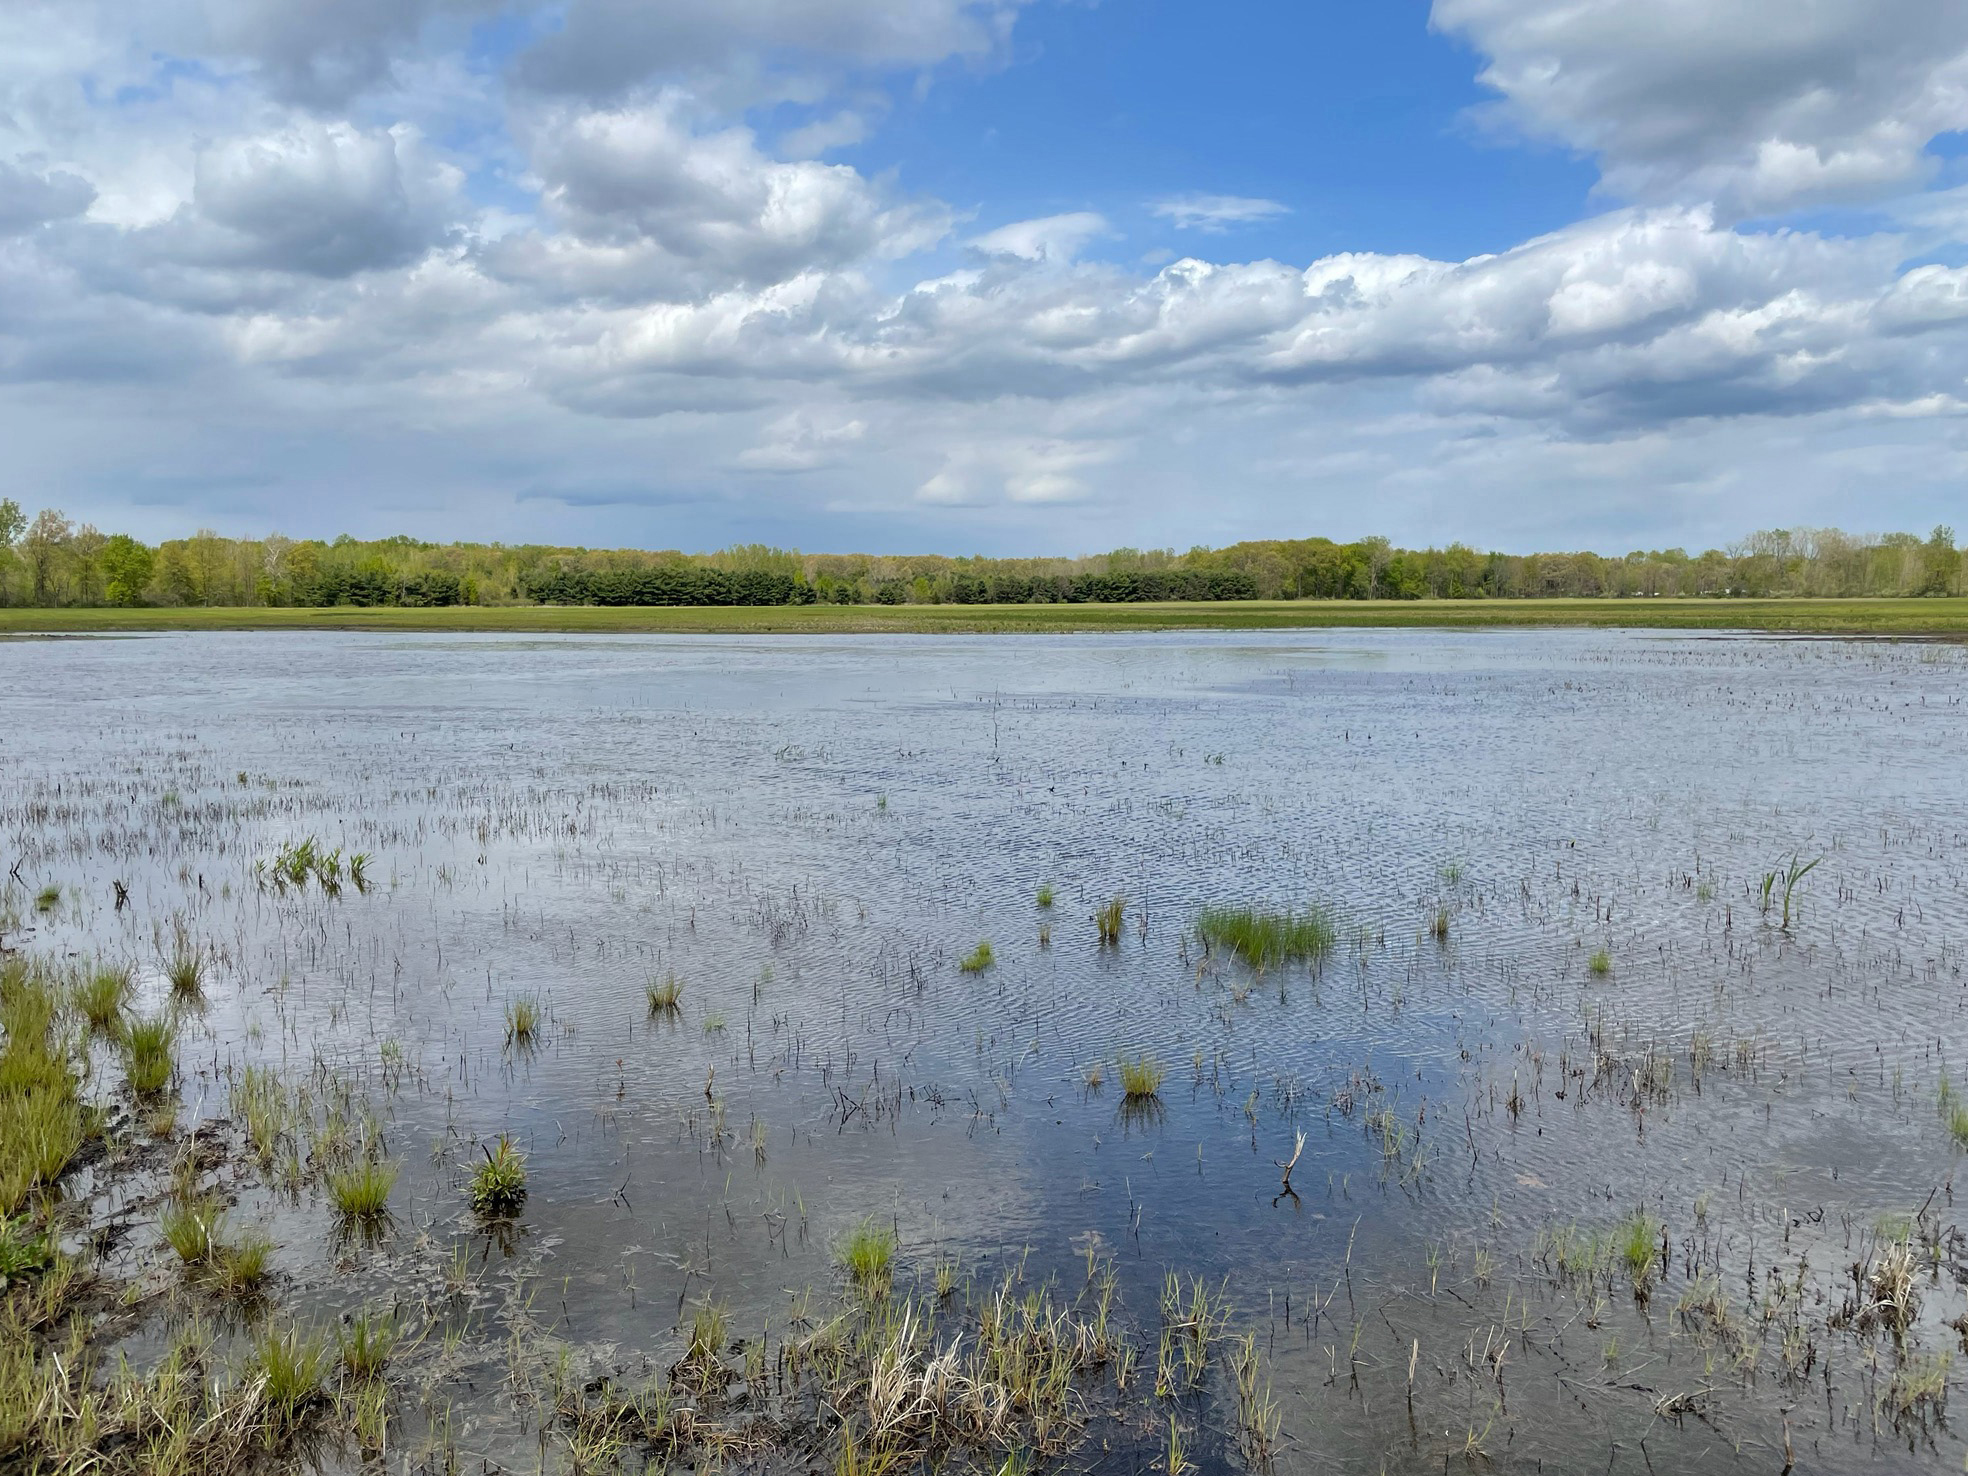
{"points": [[812, 832]]}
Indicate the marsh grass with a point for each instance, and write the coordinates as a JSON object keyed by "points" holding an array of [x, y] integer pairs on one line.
{"points": [[148, 1051], [102, 997], [1953, 1110], [1638, 1242], [868, 1254], [1044, 898], [292, 1365], [365, 1343], [1600, 964], [665, 994], [1141, 1078], [361, 1191], [1266, 939], [42, 1122], [191, 1226], [978, 959], [498, 1185], [185, 968], [23, 1250], [239, 1266], [48, 898], [522, 1021], [1108, 921]]}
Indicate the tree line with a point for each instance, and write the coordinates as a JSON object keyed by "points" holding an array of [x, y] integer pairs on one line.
{"points": [[48, 560]]}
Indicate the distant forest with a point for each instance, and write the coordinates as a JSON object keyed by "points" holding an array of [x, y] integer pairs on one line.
{"points": [[48, 561]]}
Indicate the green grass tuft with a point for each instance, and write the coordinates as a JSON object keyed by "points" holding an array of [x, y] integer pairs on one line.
{"points": [[148, 1054], [1601, 964], [362, 1191], [1045, 895], [101, 999], [366, 1341], [665, 994], [1266, 939], [1141, 1078], [978, 959], [1108, 920], [868, 1253], [522, 1021], [498, 1185]]}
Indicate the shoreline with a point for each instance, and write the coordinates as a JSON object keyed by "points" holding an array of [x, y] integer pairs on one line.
{"points": [[1943, 618]]}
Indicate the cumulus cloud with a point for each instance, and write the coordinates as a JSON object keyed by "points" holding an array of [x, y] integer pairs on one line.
{"points": [[1726, 100], [1216, 213], [598, 258]]}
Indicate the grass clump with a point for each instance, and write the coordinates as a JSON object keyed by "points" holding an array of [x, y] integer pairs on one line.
{"points": [[1954, 1111], [1045, 895], [185, 968], [361, 1191], [522, 1021], [868, 1254], [191, 1226], [292, 1366], [48, 898], [498, 1185], [665, 994], [1638, 1242], [1600, 964], [366, 1341], [148, 1054], [1264, 939], [101, 999], [1141, 1078], [978, 959], [1108, 920], [239, 1266], [42, 1125]]}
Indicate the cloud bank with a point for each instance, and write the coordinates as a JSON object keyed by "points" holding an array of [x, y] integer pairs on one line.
{"points": [[353, 265]]}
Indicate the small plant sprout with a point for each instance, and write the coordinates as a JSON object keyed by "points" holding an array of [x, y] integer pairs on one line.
{"points": [[1141, 1078], [978, 959], [498, 1185]]}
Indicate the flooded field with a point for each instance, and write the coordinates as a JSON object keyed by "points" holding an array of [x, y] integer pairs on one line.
{"points": [[1342, 1050]]}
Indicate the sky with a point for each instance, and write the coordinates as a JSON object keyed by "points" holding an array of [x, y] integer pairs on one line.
{"points": [[986, 276]]}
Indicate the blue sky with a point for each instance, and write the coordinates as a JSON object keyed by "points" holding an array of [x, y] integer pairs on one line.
{"points": [[986, 275]]}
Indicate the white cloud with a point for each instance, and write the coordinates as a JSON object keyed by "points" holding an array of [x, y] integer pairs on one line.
{"points": [[1732, 101], [1216, 213], [1050, 238]]}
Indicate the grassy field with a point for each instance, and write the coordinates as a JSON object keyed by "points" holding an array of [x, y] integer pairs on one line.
{"points": [[1944, 618]]}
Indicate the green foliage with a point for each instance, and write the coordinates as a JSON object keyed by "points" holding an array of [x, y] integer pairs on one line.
{"points": [[101, 999], [1108, 921], [57, 564], [868, 1253], [361, 1191], [1264, 939], [148, 1049], [498, 1185], [1141, 1078], [1600, 964], [665, 994], [978, 959]]}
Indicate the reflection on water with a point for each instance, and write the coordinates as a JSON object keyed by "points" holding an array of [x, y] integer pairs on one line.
{"points": [[810, 834]]}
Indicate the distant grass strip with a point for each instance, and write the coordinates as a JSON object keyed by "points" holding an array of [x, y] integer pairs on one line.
{"points": [[1267, 939], [1910, 617]]}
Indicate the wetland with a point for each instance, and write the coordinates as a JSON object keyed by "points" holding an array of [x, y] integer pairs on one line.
{"points": [[1296, 1050]]}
